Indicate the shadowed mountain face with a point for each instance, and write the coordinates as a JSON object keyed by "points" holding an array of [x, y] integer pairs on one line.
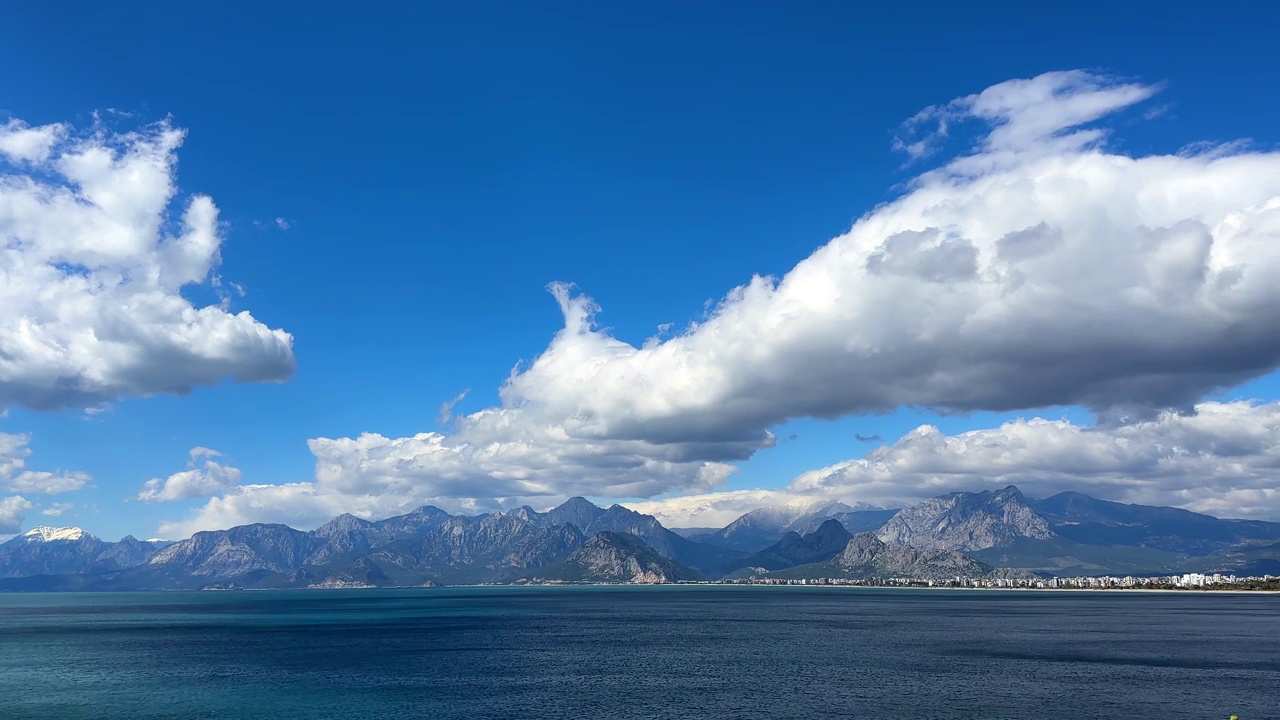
{"points": [[706, 558], [866, 556], [793, 549], [1091, 521], [468, 550], [615, 557]]}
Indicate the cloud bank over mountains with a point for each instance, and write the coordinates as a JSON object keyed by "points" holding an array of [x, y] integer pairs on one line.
{"points": [[1039, 269], [93, 263], [1221, 459]]}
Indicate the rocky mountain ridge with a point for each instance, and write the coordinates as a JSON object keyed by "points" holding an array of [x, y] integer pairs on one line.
{"points": [[614, 557], [866, 556], [55, 551], [966, 521], [1068, 534]]}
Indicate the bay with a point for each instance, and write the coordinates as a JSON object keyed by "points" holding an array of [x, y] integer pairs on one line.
{"points": [[639, 652]]}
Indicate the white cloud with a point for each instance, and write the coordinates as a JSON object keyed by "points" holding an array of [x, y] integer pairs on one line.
{"points": [[203, 477], [1040, 270], [1029, 119], [15, 477], [497, 460], [713, 509], [93, 264], [446, 408], [12, 515], [22, 143], [56, 509], [1224, 459]]}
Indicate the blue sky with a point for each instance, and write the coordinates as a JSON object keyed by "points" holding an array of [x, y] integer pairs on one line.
{"points": [[434, 168]]}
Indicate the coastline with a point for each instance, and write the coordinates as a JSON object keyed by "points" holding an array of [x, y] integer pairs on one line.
{"points": [[871, 587]]}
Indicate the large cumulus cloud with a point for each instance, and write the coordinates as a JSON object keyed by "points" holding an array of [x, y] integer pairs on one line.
{"points": [[1039, 268], [1042, 270], [95, 254]]}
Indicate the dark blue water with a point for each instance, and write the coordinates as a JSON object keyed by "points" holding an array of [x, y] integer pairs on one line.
{"points": [[660, 652]]}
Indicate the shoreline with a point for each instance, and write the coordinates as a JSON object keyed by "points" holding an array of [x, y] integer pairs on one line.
{"points": [[542, 586], [850, 587], [899, 587]]}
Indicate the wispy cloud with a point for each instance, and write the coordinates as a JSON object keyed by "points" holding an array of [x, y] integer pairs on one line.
{"points": [[446, 409], [276, 223], [56, 509], [15, 477]]}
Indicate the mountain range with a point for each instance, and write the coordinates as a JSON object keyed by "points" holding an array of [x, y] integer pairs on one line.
{"points": [[964, 534]]}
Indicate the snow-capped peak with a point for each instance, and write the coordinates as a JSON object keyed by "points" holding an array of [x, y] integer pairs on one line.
{"points": [[49, 534]]}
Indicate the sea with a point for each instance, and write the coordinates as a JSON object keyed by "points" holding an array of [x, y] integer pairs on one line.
{"points": [[640, 652]]}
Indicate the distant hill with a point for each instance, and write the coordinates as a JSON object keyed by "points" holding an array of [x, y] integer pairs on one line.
{"points": [[1091, 521]]}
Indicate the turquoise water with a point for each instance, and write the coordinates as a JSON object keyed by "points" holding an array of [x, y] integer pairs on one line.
{"points": [[645, 652]]}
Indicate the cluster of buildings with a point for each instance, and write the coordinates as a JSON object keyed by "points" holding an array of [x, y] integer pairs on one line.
{"points": [[1167, 582], [1107, 582]]}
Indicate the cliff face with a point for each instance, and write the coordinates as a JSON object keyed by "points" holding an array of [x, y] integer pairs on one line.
{"points": [[226, 553], [967, 521], [866, 556], [615, 557]]}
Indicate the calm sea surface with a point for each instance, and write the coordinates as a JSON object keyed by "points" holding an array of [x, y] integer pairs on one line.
{"points": [[657, 652]]}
